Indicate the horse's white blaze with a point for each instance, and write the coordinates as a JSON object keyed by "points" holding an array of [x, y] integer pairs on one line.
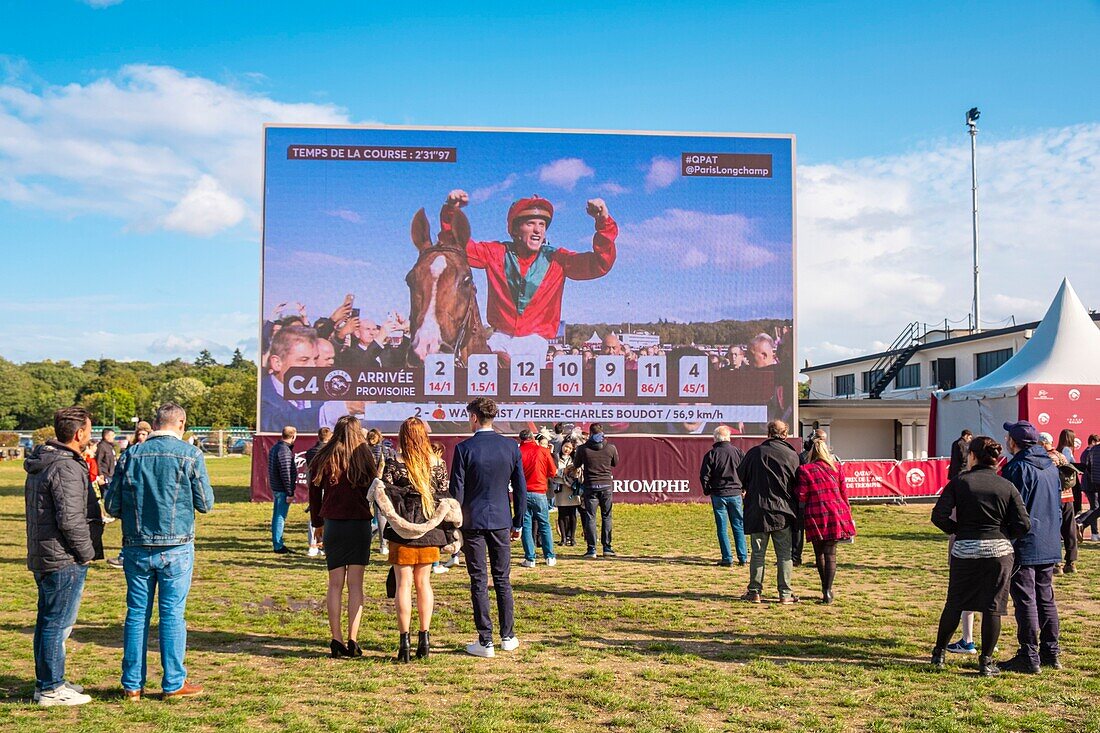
{"points": [[429, 336]]}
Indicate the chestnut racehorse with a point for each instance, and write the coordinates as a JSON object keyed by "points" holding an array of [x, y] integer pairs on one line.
{"points": [[443, 311]]}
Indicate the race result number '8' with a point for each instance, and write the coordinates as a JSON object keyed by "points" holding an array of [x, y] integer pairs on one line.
{"points": [[481, 375], [525, 378]]}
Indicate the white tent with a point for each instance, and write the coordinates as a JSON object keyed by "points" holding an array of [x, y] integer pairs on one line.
{"points": [[1063, 350], [593, 340]]}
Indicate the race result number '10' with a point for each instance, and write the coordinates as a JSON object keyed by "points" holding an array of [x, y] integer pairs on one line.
{"points": [[567, 375], [481, 375], [525, 377], [439, 374]]}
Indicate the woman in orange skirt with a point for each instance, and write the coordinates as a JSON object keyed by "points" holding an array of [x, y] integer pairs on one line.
{"points": [[421, 519]]}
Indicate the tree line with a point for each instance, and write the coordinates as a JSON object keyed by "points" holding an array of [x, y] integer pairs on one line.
{"points": [[115, 392]]}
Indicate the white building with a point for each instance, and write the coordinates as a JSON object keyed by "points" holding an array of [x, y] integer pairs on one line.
{"points": [[877, 406]]}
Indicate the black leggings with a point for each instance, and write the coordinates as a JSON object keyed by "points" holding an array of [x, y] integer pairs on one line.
{"points": [[949, 621], [825, 558], [567, 523]]}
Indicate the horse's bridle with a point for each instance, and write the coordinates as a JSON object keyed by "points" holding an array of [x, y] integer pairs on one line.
{"points": [[471, 309]]}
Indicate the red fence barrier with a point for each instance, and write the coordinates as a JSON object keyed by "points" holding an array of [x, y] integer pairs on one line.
{"points": [[661, 470]]}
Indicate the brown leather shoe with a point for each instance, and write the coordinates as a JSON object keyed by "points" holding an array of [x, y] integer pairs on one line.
{"points": [[189, 689], [133, 695]]}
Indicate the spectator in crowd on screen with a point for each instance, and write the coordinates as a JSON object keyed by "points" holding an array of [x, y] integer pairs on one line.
{"points": [[720, 481], [1032, 588], [736, 356], [767, 476], [984, 513], [292, 346], [823, 510], [316, 539], [59, 548], [1068, 476], [538, 468], [958, 454], [762, 352], [282, 477], [597, 458], [157, 488]]}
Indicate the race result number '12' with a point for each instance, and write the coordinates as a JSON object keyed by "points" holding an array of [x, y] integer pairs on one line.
{"points": [[525, 378]]}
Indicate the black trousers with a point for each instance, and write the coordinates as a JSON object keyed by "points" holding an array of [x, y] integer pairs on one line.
{"points": [[593, 500], [496, 546], [1032, 592], [798, 541], [1069, 532]]}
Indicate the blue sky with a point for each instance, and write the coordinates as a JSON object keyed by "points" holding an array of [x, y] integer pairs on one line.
{"points": [[130, 142]]}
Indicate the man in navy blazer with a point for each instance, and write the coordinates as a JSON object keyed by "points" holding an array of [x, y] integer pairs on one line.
{"points": [[483, 467]]}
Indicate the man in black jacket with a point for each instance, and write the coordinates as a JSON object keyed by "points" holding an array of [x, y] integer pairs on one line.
{"points": [[282, 476], [958, 454], [105, 456], [597, 457], [718, 475], [59, 548], [767, 475]]}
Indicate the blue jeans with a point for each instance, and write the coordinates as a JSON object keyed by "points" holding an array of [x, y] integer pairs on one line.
{"points": [[58, 601], [538, 511], [730, 507], [166, 573], [279, 510]]}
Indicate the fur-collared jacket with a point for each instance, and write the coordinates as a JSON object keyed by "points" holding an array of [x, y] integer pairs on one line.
{"points": [[401, 507]]}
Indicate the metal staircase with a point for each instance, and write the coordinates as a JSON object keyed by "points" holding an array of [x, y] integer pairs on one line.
{"points": [[894, 358]]}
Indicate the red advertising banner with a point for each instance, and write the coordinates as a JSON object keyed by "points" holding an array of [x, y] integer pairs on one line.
{"points": [[1055, 407], [660, 470]]}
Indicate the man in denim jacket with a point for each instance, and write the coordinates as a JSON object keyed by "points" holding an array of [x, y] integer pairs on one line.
{"points": [[156, 490]]}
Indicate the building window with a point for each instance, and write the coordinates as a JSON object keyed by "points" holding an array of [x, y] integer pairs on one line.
{"points": [[986, 362], [844, 385], [869, 379], [908, 377]]}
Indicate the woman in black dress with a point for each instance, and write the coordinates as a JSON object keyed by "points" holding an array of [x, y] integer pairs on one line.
{"points": [[988, 514], [339, 478]]}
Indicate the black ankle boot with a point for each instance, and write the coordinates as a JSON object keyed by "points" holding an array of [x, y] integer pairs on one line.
{"points": [[354, 650], [337, 649], [403, 648], [423, 644], [987, 667], [939, 658]]}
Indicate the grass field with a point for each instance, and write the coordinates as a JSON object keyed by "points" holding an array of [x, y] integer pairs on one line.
{"points": [[652, 641]]}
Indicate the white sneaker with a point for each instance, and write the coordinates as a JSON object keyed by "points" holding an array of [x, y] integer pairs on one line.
{"points": [[63, 695], [71, 685], [440, 569], [481, 650], [551, 562], [527, 564], [385, 549], [509, 644], [451, 562], [314, 551]]}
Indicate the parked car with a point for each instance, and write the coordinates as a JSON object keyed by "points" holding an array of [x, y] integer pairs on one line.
{"points": [[209, 444], [26, 443], [241, 445]]}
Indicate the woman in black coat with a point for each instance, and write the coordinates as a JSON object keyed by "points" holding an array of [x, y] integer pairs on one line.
{"points": [[985, 513]]}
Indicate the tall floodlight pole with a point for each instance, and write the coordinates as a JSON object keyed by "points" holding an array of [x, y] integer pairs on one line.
{"points": [[972, 123]]}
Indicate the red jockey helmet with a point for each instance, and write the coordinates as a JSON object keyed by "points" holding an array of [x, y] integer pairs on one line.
{"points": [[530, 207]]}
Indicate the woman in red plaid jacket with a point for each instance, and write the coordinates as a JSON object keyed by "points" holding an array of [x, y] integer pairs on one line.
{"points": [[823, 503]]}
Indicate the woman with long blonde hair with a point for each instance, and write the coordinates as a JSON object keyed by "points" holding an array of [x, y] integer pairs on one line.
{"points": [[823, 505], [421, 520], [339, 478]]}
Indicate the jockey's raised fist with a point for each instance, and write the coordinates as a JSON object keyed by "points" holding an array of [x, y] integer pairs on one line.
{"points": [[458, 198], [597, 209]]}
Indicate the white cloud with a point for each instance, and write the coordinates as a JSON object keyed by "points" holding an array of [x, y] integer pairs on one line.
{"points": [[101, 3], [481, 195], [693, 239], [205, 210], [662, 172], [886, 241], [352, 217], [140, 145], [565, 172], [612, 189]]}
